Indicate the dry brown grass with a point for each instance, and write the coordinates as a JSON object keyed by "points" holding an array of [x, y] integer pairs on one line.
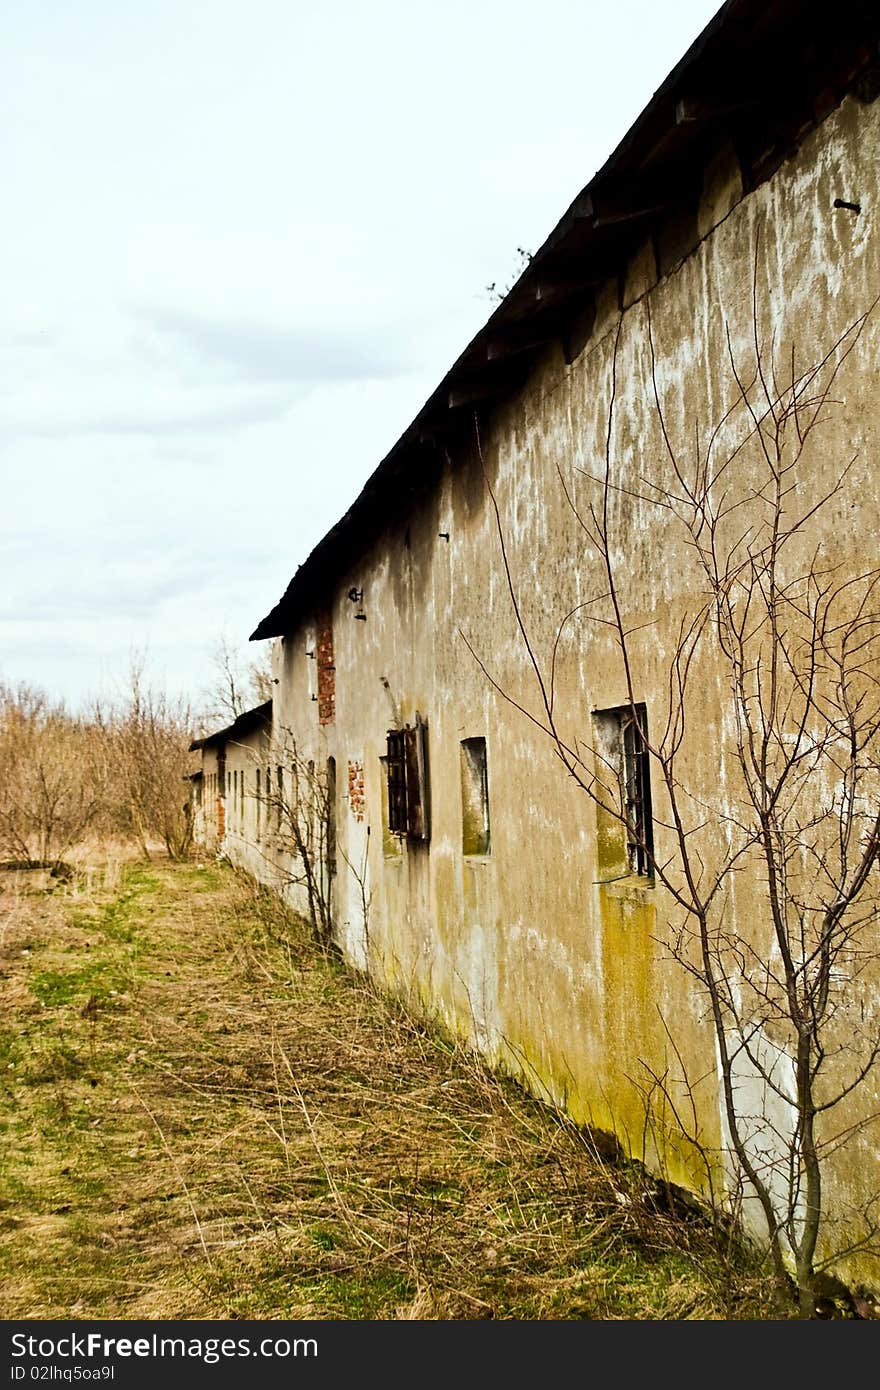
{"points": [[206, 1117]]}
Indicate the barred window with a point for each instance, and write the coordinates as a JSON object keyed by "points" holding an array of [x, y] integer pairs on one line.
{"points": [[396, 771], [637, 793], [626, 835]]}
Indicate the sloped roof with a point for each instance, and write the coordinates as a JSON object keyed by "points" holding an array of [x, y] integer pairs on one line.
{"points": [[258, 718], [761, 75]]}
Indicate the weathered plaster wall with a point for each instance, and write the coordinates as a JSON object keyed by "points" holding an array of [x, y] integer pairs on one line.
{"points": [[557, 975], [209, 822], [251, 820], [235, 819]]}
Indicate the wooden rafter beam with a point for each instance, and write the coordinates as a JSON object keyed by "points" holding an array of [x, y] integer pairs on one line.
{"points": [[513, 344], [551, 290], [695, 111], [471, 393], [631, 204]]}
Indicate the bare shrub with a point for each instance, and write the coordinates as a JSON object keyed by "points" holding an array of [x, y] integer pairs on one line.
{"points": [[117, 771], [49, 787], [144, 744]]}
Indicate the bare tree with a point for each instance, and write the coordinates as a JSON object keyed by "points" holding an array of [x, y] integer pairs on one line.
{"points": [[772, 657], [298, 816], [118, 769], [49, 792], [237, 686], [145, 738]]}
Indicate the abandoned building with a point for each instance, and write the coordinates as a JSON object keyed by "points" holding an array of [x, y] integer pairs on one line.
{"points": [[575, 711], [229, 795]]}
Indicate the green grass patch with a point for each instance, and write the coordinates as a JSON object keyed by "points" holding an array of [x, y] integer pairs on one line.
{"points": [[95, 983], [205, 1116]]}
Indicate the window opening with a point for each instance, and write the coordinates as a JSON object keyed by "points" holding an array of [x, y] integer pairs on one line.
{"points": [[637, 794], [624, 822], [474, 797], [406, 770]]}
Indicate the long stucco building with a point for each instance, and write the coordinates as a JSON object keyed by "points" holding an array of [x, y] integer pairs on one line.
{"points": [[575, 708]]}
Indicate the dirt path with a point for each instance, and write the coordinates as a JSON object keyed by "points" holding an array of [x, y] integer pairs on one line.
{"points": [[203, 1117]]}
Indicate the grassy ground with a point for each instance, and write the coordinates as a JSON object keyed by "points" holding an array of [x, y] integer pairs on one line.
{"points": [[204, 1117]]}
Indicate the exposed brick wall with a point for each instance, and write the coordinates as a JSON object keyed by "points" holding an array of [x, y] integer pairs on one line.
{"points": [[326, 669], [356, 789]]}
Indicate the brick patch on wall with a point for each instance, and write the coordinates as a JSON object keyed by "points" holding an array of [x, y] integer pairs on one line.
{"points": [[326, 669], [356, 789]]}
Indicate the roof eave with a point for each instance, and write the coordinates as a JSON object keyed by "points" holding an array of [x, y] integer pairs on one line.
{"points": [[657, 156]]}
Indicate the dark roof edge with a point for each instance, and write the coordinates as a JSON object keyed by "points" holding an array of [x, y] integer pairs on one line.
{"points": [[738, 27], [246, 723]]}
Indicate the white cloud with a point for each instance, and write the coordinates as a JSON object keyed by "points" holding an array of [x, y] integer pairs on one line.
{"points": [[241, 246]]}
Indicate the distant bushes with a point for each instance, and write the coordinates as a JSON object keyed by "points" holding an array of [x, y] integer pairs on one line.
{"points": [[118, 769]]}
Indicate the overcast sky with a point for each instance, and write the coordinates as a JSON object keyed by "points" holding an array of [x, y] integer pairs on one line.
{"points": [[241, 245]]}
